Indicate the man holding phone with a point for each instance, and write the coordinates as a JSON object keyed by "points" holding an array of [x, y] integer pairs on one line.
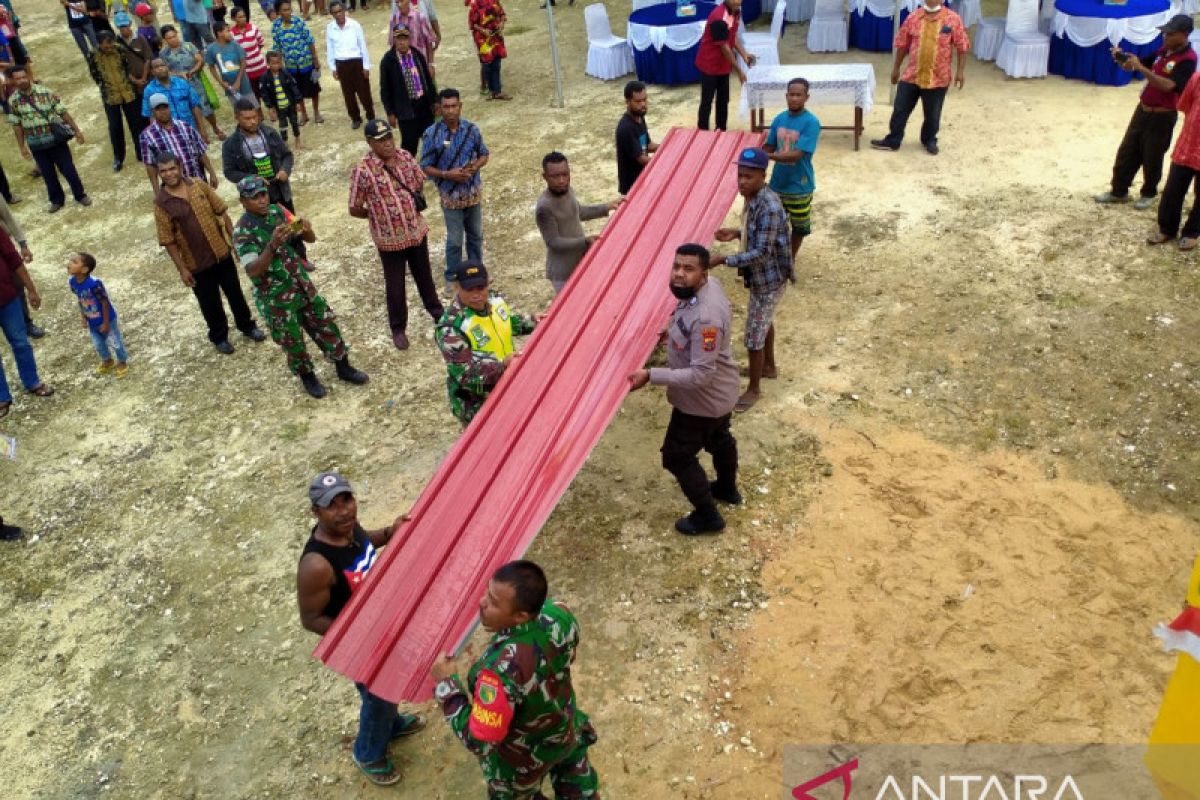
{"points": [[1148, 136]]}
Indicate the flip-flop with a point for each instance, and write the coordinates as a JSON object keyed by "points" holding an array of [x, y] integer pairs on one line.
{"points": [[1188, 243], [1158, 238], [742, 406], [413, 723], [42, 390], [380, 773]]}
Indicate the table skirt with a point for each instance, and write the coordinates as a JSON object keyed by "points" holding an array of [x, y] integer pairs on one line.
{"points": [[1095, 64]]}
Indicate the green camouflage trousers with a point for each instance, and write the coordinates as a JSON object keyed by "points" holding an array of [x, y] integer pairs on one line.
{"points": [[573, 778], [288, 326]]}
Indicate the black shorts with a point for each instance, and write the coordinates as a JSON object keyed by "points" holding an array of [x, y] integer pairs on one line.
{"points": [[304, 81]]}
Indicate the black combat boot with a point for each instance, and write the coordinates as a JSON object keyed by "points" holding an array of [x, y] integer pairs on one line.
{"points": [[312, 384], [704, 519], [726, 494], [349, 374]]}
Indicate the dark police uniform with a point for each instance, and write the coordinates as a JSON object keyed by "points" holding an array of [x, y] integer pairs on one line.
{"points": [[702, 385]]}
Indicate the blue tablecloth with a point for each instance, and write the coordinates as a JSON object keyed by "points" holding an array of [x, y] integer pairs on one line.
{"points": [[1095, 64], [752, 10], [1096, 8], [869, 32], [667, 66]]}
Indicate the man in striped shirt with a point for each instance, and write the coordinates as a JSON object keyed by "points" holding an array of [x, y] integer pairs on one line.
{"points": [[165, 134]]}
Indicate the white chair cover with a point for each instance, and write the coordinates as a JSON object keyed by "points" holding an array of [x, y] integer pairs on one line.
{"points": [[765, 46], [800, 10], [988, 38], [609, 57], [1025, 52], [1022, 16], [829, 30], [1090, 31], [970, 12]]}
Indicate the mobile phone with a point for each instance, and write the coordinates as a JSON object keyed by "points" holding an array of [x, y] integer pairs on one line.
{"points": [[1120, 56]]}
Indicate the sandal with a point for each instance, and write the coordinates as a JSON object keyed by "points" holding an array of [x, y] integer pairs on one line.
{"points": [[1158, 238], [317, 118], [5, 408], [501, 96], [1188, 243], [408, 725], [744, 404], [380, 773], [42, 390], [122, 370]]}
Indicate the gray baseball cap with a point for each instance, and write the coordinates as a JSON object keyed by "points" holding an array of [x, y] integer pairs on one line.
{"points": [[159, 99], [327, 486]]}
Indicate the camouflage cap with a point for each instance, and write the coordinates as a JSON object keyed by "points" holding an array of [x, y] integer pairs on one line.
{"points": [[251, 185]]}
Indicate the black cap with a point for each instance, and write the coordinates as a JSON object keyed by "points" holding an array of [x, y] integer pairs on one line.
{"points": [[1180, 23], [471, 275], [377, 129]]}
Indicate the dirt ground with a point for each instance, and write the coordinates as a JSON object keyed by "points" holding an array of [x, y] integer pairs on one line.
{"points": [[970, 494]]}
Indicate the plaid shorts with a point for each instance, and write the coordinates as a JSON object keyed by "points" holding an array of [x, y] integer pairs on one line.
{"points": [[799, 209], [760, 315]]}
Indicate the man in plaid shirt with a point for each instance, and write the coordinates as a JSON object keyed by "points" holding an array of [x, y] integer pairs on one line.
{"points": [[167, 135], [765, 264]]}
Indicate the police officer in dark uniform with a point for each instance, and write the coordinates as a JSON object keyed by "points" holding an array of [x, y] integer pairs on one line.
{"points": [[702, 384]]}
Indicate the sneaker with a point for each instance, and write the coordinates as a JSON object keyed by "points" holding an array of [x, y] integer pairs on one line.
{"points": [[35, 331], [731, 495], [701, 521], [10, 533], [400, 340], [117, 165], [224, 347], [349, 374], [1109, 198], [1142, 203], [312, 385], [883, 144], [356, 124], [84, 201], [932, 148], [54, 208], [255, 334]]}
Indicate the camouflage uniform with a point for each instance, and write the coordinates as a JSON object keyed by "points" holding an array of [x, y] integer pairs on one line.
{"points": [[524, 679], [472, 372], [285, 295]]}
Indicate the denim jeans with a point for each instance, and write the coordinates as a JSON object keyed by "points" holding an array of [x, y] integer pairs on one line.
{"points": [[12, 320], [459, 221], [111, 344], [378, 721]]}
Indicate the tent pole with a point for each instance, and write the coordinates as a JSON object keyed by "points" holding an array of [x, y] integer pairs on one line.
{"points": [[895, 30], [558, 87]]}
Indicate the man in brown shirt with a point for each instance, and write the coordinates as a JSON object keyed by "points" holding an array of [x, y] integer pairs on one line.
{"points": [[702, 386], [194, 226]]}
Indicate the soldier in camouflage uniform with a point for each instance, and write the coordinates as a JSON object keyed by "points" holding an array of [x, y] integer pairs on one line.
{"points": [[475, 335], [266, 238], [517, 711]]}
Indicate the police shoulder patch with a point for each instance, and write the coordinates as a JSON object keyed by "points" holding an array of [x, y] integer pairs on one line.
{"points": [[708, 336]]}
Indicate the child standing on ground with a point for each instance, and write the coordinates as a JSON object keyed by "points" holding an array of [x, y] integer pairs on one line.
{"points": [[99, 316], [281, 96]]}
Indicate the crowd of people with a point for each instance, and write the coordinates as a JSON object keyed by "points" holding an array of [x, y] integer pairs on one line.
{"points": [[162, 83]]}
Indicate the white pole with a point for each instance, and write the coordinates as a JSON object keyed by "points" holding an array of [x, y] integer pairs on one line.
{"points": [[558, 89]]}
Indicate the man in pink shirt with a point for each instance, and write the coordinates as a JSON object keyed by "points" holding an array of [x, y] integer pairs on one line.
{"points": [[1185, 170], [927, 38]]}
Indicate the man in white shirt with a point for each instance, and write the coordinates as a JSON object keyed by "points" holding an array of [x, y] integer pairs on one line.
{"points": [[346, 52]]}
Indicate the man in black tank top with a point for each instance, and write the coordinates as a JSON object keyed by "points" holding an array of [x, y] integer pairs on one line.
{"points": [[336, 559]]}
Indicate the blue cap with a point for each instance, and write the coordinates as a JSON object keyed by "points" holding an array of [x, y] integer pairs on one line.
{"points": [[122, 19], [754, 158]]}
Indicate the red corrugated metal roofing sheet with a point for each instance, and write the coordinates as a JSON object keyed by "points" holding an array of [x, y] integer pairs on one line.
{"points": [[506, 473]]}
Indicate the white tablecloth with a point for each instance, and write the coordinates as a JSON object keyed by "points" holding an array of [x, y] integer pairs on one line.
{"points": [[674, 37], [830, 84], [1090, 31], [882, 8]]}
